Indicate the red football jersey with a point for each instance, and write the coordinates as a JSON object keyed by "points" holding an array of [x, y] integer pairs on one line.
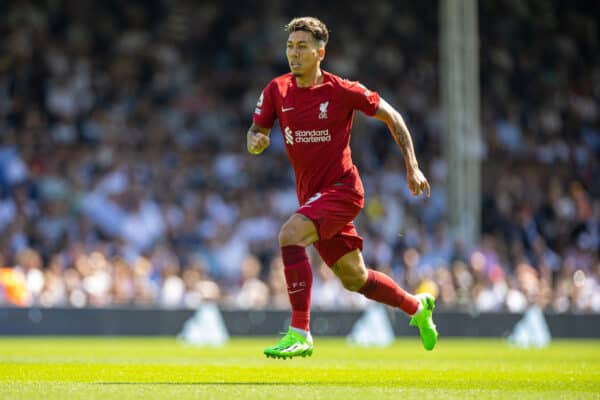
{"points": [[316, 123]]}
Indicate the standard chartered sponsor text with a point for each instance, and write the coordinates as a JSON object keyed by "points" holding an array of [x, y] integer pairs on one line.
{"points": [[312, 136]]}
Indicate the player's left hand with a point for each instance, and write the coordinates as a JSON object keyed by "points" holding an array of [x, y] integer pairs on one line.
{"points": [[417, 183]]}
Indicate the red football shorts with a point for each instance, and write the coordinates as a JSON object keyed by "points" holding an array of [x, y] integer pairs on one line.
{"points": [[332, 211]]}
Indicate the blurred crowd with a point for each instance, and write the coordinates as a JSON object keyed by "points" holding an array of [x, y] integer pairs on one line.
{"points": [[124, 176]]}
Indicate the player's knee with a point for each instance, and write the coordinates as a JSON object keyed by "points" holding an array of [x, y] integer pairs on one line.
{"points": [[351, 271], [297, 231], [354, 281], [289, 235]]}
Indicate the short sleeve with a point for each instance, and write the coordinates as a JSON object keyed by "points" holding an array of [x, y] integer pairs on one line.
{"points": [[358, 97], [264, 113]]}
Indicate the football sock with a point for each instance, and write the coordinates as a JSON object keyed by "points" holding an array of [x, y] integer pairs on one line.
{"points": [[382, 288], [298, 276]]}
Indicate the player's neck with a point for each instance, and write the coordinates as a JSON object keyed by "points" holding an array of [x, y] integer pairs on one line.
{"points": [[311, 79]]}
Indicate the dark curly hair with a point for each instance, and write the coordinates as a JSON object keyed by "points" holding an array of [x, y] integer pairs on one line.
{"points": [[315, 26]]}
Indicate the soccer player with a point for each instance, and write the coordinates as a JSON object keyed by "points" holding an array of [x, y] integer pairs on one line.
{"points": [[315, 110]]}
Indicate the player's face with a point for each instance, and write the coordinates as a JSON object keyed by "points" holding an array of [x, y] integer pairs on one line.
{"points": [[303, 53]]}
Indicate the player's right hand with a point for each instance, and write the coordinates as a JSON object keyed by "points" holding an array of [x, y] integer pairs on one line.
{"points": [[417, 183], [257, 142]]}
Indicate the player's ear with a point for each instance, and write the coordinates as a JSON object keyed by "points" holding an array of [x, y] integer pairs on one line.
{"points": [[321, 53]]}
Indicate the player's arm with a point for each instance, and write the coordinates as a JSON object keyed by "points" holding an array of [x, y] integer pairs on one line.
{"points": [[257, 139], [417, 182]]}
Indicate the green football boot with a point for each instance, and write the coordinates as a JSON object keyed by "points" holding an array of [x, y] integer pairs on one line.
{"points": [[291, 345], [424, 322]]}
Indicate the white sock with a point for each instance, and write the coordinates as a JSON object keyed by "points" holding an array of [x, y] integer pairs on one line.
{"points": [[418, 308], [302, 332]]}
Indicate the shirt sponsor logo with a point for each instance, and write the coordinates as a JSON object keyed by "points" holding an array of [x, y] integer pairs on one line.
{"points": [[289, 136], [312, 136], [323, 110]]}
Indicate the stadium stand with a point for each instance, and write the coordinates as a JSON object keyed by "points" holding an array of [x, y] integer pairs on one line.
{"points": [[124, 177]]}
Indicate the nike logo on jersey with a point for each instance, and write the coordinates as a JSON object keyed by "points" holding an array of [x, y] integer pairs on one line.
{"points": [[283, 109]]}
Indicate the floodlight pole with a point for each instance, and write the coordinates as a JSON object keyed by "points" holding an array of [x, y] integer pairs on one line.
{"points": [[459, 83]]}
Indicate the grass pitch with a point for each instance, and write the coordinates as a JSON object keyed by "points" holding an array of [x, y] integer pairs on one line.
{"points": [[147, 368]]}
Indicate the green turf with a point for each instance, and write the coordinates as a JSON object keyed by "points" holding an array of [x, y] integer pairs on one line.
{"points": [[142, 368]]}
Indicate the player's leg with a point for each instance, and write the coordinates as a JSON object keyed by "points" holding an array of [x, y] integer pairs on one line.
{"points": [[297, 233], [323, 216], [375, 285]]}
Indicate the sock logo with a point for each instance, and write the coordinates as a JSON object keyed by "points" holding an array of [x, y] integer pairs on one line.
{"points": [[296, 287]]}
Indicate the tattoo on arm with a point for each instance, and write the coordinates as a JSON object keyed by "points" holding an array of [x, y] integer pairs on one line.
{"points": [[399, 131], [402, 137]]}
